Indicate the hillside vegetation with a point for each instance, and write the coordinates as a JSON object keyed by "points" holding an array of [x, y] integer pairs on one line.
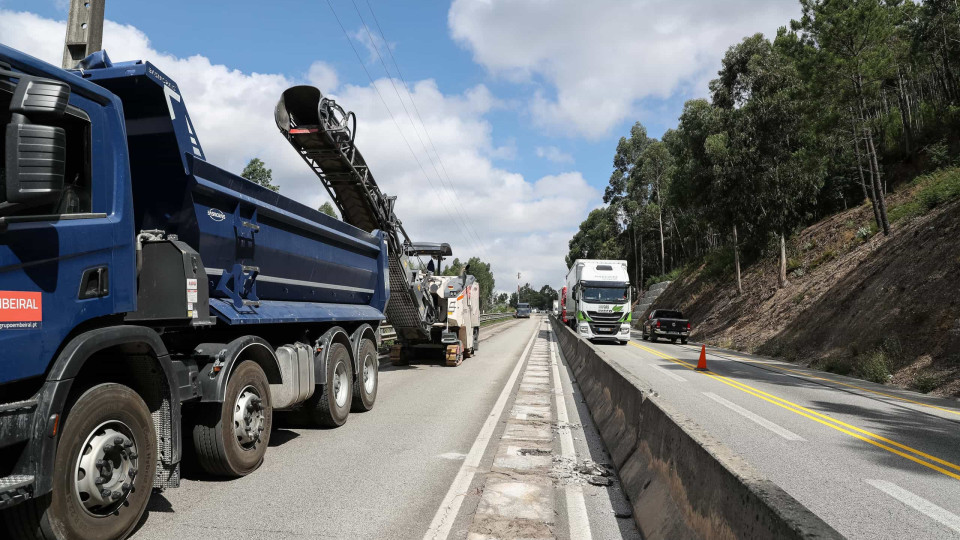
{"points": [[883, 308]]}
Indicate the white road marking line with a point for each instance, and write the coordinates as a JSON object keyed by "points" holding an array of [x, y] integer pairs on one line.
{"points": [[579, 523], [668, 373], [447, 513], [918, 503], [785, 433]]}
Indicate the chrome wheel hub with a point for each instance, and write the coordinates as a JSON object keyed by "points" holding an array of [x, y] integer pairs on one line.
{"points": [[369, 373], [106, 469], [340, 384], [248, 417]]}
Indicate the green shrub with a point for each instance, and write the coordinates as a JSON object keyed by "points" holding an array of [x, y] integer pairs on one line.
{"points": [[793, 263], [926, 383], [718, 264], [874, 367], [799, 298], [839, 366]]}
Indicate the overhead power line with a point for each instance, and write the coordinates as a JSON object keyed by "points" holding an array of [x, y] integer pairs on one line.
{"points": [[395, 123], [461, 212], [449, 183]]}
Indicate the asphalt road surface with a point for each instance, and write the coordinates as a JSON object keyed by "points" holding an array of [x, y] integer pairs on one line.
{"points": [[391, 472], [872, 461]]}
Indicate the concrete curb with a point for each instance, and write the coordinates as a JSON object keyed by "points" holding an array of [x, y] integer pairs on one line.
{"points": [[682, 483]]}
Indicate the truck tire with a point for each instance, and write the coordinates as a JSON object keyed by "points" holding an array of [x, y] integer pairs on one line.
{"points": [[231, 439], [103, 415], [476, 340], [683, 341], [365, 387], [673, 341], [653, 337], [329, 406]]}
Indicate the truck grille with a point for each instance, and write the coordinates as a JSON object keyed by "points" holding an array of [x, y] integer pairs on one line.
{"points": [[605, 317]]}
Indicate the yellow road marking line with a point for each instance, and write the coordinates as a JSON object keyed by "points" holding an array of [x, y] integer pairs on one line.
{"points": [[808, 375], [824, 419]]}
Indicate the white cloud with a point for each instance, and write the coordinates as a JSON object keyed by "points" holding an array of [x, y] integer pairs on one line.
{"points": [[524, 224], [554, 154], [323, 76], [592, 62]]}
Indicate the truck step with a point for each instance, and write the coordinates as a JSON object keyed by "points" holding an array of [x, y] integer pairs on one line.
{"points": [[15, 489], [18, 406]]}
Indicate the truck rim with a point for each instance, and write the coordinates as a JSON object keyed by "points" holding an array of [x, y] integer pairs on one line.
{"points": [[106, 468], [340, 384], [248, 417], [369, 369]]}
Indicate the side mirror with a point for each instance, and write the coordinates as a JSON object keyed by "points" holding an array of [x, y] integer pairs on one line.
{"points": [[35, 162], [35, 154]]}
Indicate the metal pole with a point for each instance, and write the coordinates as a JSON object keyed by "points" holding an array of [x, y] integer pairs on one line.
{"points": [[84, 31]]}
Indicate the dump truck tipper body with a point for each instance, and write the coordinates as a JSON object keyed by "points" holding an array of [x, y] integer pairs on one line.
{"points": [[138, 281]]}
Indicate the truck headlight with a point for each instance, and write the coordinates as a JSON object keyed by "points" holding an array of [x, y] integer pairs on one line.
{"points": [[625, 329]]}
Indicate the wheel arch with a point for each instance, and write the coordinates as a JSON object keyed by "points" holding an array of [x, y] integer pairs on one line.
{"points": [[215, 375], [134, 356], [365, 331], [333, 335]]}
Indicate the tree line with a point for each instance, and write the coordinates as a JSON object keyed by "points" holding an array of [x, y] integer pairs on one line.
{"points": [[846, 102]]}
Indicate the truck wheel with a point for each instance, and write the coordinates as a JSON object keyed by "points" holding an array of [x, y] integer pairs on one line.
{"points": [[653, 337], [476, 340], [103, 472], [365, 387], [330, 404], [673, 341], [232, 439], [683, 341]]}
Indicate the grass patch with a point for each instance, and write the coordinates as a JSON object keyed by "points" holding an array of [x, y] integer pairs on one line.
{"points": [[928, 192], [669, 276], [799, 297], [824, 257]]}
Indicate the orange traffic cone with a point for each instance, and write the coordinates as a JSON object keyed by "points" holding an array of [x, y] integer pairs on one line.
{"points": [[702, 364]]}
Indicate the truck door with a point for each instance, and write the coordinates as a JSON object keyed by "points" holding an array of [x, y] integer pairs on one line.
{"points": [[68, 257]]}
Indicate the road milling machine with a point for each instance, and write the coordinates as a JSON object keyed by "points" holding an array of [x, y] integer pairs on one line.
{"points": [[427, 310]]}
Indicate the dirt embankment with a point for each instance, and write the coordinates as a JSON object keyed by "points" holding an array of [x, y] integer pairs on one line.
{"points": [[875, 307]]}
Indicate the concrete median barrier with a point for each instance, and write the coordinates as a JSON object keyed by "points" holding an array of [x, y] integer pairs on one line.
{"points": [[682, 483]]}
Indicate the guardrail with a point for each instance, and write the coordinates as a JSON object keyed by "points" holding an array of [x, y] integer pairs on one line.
{"points": [[387, 331]]}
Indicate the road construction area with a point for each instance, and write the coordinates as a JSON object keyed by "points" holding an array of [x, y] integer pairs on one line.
{"points": [[871, 461], [501, 446]]}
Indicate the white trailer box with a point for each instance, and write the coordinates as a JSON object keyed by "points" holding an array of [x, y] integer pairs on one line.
{"points": [[598, 299]]}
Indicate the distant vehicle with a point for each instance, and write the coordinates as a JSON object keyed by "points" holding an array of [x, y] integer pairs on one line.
{"points": [[666, 323], [556, 307], [523, 311], [597, 300]]}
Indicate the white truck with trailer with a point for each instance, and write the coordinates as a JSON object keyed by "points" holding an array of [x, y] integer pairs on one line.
{"points": [[598, 297]]}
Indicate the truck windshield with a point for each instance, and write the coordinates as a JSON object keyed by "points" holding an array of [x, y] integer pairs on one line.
{"points": [[523, 306], [605, 294]]}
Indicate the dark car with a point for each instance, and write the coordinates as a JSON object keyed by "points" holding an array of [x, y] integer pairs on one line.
{"points": [[666, 323]]}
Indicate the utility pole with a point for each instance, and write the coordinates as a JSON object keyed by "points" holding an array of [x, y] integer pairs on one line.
{"points": [[518, 288], [84, 31]]}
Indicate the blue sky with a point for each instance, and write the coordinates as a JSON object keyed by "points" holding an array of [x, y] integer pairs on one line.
{"points": [[531, 96]]}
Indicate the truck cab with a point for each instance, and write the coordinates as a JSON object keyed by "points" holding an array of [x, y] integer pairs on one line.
{"points": [[599, 296]]}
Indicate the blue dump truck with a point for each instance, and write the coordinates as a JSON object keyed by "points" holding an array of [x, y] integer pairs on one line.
{"points": [[145, 294]]}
